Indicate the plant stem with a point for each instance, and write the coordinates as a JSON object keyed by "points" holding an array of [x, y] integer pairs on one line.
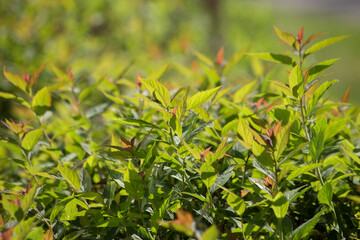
{"points": [[47, 223], [246, 162], [303, 106]]}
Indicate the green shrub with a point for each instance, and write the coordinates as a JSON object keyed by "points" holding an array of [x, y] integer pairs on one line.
{"points": [[120, 159]]}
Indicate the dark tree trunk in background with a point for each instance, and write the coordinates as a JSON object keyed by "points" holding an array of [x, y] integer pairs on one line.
{"points": [[213, 10]]}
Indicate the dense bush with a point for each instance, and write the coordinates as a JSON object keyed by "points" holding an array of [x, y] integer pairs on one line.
{"points": [[122, 159]]}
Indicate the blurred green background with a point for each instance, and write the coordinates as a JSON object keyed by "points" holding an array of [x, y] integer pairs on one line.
{"points": [[103, 37]]}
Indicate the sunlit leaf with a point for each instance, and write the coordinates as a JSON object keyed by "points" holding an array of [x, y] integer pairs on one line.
{"points": [[41, 101], [279, 58], [200, 98], [70, 176], [324, 43], [31, 138]]}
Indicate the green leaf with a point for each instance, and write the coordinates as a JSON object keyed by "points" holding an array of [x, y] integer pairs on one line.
{"points": [[200, 98], [244, 131], [14, 210], [335, 127], [278, 58], [282, 139], [325, 194], [112, 222], [305, 229], [159, 213], [113, 98], [317, 95], [177, 227], [236, 203], [208, 174], [318, 138], [203, 58], [136, 122], [244, 91], [87, 91], [301, 170], [133, 181], [158, 91], [17, 81], [109, 192], [70, 176], [157, 74], [324, 43], [296, 82], [15, 98], [280, 205], [235, 59], [287, 38], [41, 101], [211, 233], [28, 200], [232, 125], [85, 180], [221, 150], [61, 74], [319, 68], [350, 153], [31, 138], [35, 234]]}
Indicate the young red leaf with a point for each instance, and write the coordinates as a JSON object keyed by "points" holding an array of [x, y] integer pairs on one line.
{"points": [[312, 37], [126, 144], [174, 110], [258, 103], [138, 81], [34, 77], [132, 141], [300, 35], [244, 193], [206, 152], [184, 218], [69, 73], [26, 78], [220, 57], [346, 96]]}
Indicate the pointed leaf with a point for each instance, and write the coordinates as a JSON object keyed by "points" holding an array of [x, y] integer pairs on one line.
{"points": [[203, 58], [208, 174], [16, 80], [318, 139], [301, 170], [31, 138], [296, 82], [41, 101], [244, 91], [211, 233], [305, 229], [319, 68], [158, 91], [282, 140], [287, 38], [133, 181], [234, 60], [279, 58], [325, 194], [70, 176], [324, 43], [280, 205], [200, 98], [236, 203], [28, 200], [317, 95]]}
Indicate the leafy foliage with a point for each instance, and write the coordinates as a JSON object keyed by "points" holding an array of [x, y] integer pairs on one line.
{"points": [[145, 160]]}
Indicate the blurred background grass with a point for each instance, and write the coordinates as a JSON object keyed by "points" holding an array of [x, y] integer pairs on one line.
{"points": [[103, 37]]}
